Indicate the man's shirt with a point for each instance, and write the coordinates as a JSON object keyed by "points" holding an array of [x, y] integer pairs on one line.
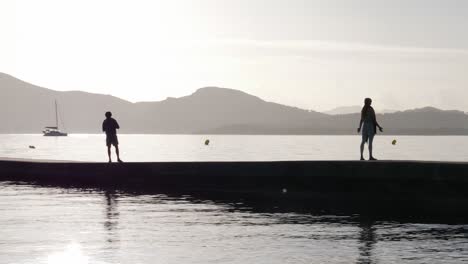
{"points": [[110, 126]]}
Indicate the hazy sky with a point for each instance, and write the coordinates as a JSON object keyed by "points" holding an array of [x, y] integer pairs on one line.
{"points": [[312, 54]]}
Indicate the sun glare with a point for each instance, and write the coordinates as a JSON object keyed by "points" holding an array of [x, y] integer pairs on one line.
{"points": [[71, 255]]}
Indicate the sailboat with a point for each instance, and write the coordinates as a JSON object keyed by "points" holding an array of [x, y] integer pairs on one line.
{"points": [[54, 131]]}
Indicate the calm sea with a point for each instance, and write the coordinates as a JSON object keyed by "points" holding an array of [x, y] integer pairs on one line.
{"points": [[192, 147], [50, 224]]}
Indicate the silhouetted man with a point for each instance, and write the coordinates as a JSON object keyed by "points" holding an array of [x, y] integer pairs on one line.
{"points": [[110, 126]]}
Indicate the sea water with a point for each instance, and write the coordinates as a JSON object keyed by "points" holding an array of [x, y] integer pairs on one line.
{"points": [[51, 224]]}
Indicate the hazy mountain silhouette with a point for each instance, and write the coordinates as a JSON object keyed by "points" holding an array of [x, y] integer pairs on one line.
{"points": [[344, 110], [26, 108], [211, 107]]}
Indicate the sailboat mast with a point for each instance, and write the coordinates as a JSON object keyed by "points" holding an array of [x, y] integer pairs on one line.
{"points": [[56, 115]]}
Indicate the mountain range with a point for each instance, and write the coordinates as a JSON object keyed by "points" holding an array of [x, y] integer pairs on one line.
{"points": [[27, 108], [343, 110]]}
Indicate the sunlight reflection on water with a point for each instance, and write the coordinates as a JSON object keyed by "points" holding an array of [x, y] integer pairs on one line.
{"points": [[71, 255]]}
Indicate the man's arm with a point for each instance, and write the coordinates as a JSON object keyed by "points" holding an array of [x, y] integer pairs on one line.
{"points": [[116, 124], [104, 126]]}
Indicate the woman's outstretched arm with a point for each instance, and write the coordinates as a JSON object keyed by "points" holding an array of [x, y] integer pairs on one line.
{"points": [[375, 121]]}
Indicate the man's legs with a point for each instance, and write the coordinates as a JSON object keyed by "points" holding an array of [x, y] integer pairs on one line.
{"points": [[117, 152], [109, 152]]}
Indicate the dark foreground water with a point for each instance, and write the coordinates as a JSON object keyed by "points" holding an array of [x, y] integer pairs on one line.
{"points": [[69, 225]]}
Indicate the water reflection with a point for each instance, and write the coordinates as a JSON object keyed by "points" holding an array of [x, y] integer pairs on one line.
{"points": [[144, 226], [367, 241], [112, 217]]}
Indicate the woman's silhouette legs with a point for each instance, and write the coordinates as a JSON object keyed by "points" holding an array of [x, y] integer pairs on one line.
{"points": [[371, 140], [362, 149]]}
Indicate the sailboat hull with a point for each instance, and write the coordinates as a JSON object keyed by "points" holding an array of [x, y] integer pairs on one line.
{"points": [[55, 134]]}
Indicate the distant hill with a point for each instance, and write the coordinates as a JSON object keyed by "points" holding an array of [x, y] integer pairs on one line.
{"points": [[211, 108], [344, 110], [26, 108]]}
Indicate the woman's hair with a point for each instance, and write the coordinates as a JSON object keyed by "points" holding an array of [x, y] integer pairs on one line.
{"points": [[367, 105]]}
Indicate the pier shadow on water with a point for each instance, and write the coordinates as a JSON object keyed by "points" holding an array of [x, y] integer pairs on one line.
{"points": [[284, 211], [296, 215], [272, 202]]}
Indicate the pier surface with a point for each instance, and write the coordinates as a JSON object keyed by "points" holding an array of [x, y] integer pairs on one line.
{"points": [[410, 186]]}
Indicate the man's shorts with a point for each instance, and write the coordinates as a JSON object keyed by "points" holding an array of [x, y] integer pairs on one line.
{"points": [[112, 140]]}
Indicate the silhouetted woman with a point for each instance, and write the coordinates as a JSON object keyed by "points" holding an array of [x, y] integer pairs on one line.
{"points": [[369, 129]]}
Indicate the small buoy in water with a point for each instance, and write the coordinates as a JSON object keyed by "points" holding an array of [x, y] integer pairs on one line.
{"points": [[32, 147], [394, 142], [285, 190], [207, 142]]}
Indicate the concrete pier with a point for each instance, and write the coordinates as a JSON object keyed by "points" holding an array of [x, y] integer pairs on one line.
{"points": [[405, 186]]}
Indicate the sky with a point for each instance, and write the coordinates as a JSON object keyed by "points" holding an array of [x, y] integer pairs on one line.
{"points": [[313, 54]]}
